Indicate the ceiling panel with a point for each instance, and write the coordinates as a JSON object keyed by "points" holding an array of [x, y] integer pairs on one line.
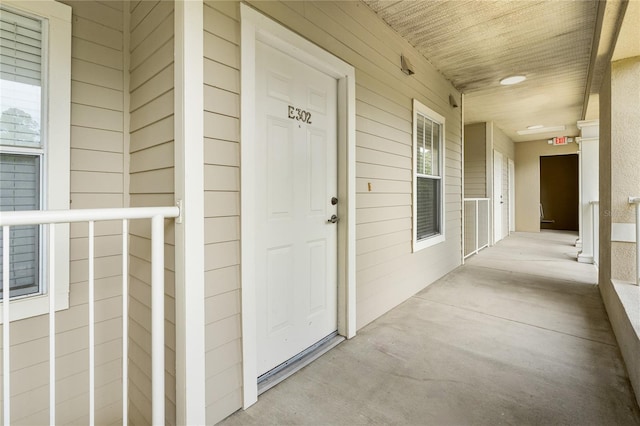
{"points": [[476, 43]]}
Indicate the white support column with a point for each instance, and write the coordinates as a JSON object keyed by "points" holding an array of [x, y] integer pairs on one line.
{"points": [[589, 185], [189, 188]]}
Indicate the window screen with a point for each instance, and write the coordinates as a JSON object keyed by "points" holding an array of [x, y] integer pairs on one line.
{"points": [[21, 153], [20, 190], [428, 178]]}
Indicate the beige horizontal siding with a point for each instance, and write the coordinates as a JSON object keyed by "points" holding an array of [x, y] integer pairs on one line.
{"points": [[222, 209], [383, 163], [475, 161], [151, 174], [97, 170]]}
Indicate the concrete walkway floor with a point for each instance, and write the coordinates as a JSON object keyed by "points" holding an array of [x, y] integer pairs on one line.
{"points": [[517, 336]]}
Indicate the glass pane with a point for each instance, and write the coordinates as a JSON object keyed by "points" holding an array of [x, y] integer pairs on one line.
{"points": [[20, 190], [435, 159], [427, 146], [428, 208], [420, 145], [20, 80]]}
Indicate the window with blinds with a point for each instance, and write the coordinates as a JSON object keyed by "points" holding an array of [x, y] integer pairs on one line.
{"points": [[428, 175], [21, 142]]}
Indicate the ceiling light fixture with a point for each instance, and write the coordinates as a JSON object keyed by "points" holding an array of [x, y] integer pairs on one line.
{"points": [[536, 126], [541, 130], [514, 79]]}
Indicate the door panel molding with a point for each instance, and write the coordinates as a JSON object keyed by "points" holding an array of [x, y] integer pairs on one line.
{"points": [[258, 27]]}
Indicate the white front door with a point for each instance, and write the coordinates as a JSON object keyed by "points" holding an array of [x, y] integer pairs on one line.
{"points": [[512, 196], [296, 179], [497, 196]]}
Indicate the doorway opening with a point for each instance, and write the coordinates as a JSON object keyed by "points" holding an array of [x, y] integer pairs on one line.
{"points": [[559, 196]]}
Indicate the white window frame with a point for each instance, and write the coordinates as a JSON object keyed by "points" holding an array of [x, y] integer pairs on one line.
{"points": [[56, 129], [420, 109]]}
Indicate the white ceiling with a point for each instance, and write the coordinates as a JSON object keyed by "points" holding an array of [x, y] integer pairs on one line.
{"points": [[476, 43]]}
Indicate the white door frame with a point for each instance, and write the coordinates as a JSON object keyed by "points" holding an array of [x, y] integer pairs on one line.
{"points": [[255, 26], [497, 206], [512, 195]]}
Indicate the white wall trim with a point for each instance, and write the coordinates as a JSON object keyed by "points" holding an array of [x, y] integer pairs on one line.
{"points": [[623, 232], [462, 143], [255, 26], [189, 235]]}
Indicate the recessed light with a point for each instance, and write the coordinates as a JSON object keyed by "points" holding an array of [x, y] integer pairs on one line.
{"points": [[541, 130], [514, 79], [536, 126]]}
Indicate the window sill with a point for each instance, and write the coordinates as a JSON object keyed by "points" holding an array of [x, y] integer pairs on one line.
{"points": [[432, 241], [33, 306]]}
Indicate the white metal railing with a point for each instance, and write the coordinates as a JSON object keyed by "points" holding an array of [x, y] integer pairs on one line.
{"points": [[476, 225], [157, 216], [595, 230], [636, 201]]}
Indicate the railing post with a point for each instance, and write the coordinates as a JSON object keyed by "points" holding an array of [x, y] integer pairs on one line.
{"points": [[92, 327], [52, 328], [6, 342], [488, 223], [157, 319], [636, 201], [125, 322]]}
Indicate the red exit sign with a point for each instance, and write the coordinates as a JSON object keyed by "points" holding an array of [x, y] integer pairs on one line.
{"points": [[560, 141]]}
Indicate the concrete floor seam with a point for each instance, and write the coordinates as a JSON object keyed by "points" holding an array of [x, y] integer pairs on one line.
{"points": [[515, 321], [559, 280]]}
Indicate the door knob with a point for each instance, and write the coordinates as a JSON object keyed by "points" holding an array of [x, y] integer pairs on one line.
{"points": [[333, 219]]}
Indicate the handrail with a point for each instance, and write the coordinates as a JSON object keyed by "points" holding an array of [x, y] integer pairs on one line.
{"points": [[41, 217], [636, 201], [50, 217]]}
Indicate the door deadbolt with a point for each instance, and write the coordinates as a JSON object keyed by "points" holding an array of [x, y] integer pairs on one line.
{"points": [[334, 201], [333, 219]]}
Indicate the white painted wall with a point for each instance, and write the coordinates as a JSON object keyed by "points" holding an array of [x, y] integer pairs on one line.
{"points": [[619, 179]]}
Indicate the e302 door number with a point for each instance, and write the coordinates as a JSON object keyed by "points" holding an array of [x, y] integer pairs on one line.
{"points": [[299, 114]]}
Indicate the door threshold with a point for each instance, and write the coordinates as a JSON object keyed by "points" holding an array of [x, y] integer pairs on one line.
{"points": [[298, 362]]}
